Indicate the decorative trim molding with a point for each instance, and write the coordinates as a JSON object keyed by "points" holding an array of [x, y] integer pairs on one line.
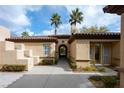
{"points": [[46, 57], [82, 60]]}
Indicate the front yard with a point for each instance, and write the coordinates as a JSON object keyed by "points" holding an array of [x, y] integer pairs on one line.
{"points": [[61, 75]]}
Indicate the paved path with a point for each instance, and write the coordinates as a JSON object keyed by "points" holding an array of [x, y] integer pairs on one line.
{"points": [[59, 76]]}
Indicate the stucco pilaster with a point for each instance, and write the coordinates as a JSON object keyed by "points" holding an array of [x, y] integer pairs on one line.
{"points": [[122, 51], [82, 53]]}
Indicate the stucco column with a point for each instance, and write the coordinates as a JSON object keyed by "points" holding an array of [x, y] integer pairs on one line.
{"points": [[82, 53], [122, 51]]}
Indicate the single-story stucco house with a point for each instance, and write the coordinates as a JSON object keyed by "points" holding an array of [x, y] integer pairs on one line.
{"points": [[81, 48]]}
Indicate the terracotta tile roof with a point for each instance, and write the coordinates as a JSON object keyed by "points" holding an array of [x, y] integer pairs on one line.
{"points": [[118, 9], [61, 36], [32, 39], [48, 38], [53, 38], [95, 35]]}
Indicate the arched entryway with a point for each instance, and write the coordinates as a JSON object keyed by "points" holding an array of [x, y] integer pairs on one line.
{"points": [[62, 51]]}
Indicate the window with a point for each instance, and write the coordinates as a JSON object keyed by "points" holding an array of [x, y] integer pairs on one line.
{"points": [[46, 49], [92, 52]]}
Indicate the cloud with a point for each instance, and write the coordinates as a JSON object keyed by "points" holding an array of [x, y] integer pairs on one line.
{"points": [[15, 17], [63, 29], [31, 33], [94, 15]]}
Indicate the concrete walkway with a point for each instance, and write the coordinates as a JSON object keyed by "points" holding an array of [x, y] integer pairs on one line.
{"points": [[58, 76]]}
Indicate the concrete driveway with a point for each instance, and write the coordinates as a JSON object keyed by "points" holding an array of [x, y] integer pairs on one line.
{"points": [[58, 76]]}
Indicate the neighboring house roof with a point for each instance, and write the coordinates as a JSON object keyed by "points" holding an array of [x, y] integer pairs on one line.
{"points": [[95, 35], [33, 39], [118, 9]]}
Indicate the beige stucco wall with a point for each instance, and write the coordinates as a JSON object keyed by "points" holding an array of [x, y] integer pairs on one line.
{"points": [[122, 51], [82, 53], [115, 54], [79, 52], [1, 53], [38, 50], [5, 46], [8, 55], [82, 50], [73, 51], [4, 33]]}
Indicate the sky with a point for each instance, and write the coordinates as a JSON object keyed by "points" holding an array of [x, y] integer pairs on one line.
{"points": [[36, 19]]}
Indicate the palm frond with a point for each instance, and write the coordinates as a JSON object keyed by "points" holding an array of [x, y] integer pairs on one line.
{"points": [[76, 16]]}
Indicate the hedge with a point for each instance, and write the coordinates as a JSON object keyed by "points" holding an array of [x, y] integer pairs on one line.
{"points": [[13, 68], [48, 62]]}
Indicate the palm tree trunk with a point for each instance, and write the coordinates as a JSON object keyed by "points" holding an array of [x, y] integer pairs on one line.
{"points": [[55, 30], [73, 28]]}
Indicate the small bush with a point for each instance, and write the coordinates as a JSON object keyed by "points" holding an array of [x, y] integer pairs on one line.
{"points": [[47, 62], [96, 78], [101, 69], [56, 62], [109, 82], [13, 68], [72, 65], [90, 68]]}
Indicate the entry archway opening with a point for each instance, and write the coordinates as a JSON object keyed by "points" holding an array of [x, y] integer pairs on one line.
{"points": [[62, 51]]}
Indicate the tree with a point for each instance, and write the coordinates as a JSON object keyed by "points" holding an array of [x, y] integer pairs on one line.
{"points": [[103, 29], [25, 34], [75, 17], [94, 29], [56, 21]]}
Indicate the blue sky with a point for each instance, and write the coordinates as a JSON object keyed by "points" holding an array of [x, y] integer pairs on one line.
{"points": [[36, 19]]}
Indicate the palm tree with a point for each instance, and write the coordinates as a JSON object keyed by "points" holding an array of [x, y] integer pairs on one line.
{"points": [[75, 17], [56, 21], [25, 34]]}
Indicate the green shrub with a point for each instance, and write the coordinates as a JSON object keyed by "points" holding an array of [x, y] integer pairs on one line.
{"points": [[90, 68], [93, 62], [56, 61], [72, 64], [96, 78], [101, 69], [109, 81], [47, 62], [13, 68]]}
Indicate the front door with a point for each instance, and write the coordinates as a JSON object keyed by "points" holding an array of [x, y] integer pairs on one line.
{"points": [[98, 53]]}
